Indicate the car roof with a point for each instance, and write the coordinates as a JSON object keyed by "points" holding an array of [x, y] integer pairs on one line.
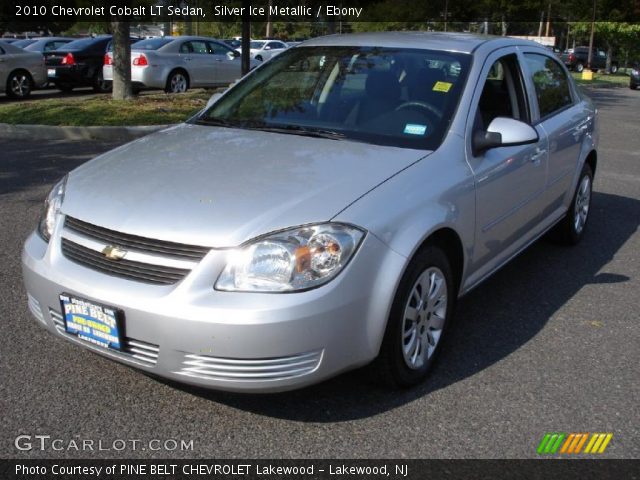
{"points": [[453, 42]]}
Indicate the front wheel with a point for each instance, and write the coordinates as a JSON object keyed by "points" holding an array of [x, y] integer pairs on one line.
{"points": [[571, 229], [421, 310], [19, 85], [579, 67], [614, 68]]}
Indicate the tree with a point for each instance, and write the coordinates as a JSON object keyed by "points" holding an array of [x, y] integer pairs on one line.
{"points": [[122, 89]]}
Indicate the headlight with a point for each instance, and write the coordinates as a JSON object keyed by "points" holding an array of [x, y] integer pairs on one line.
{"points": [[635, 72], [51, 209], [291, 260]]}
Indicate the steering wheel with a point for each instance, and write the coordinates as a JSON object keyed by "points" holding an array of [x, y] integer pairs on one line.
{"points": [[427, 107]]}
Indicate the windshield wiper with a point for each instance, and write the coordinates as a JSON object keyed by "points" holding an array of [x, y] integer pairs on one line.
{"points": [[218, 122], [299, 130]]}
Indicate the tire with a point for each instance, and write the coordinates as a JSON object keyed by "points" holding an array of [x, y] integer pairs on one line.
{"points": [[177, 82], [100, 85], [571, 228], [410, 346], [633, 86], [614, 68], [579, 67], [19, 85]]}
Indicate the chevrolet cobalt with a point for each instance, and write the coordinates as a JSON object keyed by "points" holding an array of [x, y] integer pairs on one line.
{"points": [[324, 213]]}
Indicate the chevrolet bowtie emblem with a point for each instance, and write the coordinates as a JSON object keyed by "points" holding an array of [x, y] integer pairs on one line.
{"points": [[113, 253]]}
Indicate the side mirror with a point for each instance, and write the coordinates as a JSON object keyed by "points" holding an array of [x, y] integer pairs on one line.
{"points": [[234, 53], [214, 98], [503, 132]]}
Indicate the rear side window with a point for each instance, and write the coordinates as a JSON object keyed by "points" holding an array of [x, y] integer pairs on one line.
{"points": [[151, 44], [551, 83]]}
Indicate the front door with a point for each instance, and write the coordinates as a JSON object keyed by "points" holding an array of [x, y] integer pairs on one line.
{"points": [[510, 181]]}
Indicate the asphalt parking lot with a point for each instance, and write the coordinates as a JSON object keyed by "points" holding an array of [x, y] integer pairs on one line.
{"points": [[550, 343]]}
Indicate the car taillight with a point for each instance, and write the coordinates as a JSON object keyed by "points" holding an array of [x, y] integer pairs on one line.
{"points": [[572, 57], [140, 61], [68, 59], [107, 59]]}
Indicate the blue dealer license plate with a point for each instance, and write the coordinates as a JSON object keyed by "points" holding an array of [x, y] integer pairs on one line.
{"points": [[94, 323]]}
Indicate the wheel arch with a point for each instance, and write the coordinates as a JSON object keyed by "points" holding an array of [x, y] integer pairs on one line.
{"points": [[179, 69]]}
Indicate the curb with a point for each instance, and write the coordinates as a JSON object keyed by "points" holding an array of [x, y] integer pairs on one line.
{"points": [[49, 132]]}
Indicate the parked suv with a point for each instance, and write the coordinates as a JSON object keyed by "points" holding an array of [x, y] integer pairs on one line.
{"points": [[579, 58]]}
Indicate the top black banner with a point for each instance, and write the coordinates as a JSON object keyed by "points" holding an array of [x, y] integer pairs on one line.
{"points": [[394, 14]]}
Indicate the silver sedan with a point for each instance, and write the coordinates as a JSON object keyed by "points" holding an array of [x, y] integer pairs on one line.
{"points": [[20, 71], [325, 213], [176, 64]]}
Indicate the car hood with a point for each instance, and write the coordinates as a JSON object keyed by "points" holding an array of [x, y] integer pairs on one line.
{"points": [[218, 187]]}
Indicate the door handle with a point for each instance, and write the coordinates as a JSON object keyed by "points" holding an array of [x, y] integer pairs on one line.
{"points": [[535, 158]]}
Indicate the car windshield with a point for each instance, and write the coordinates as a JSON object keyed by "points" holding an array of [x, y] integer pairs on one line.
{"points": [[151, 44], [256, 45], [386, 96]]}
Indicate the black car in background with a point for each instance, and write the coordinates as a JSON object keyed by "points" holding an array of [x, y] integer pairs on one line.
{"points": [[79, 64], [578, 58], [634, 77]]}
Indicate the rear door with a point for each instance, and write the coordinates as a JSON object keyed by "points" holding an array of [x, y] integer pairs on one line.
{"points": [[199, 62], [227, 65], [510, 181], [558, 112], [4, 68]]}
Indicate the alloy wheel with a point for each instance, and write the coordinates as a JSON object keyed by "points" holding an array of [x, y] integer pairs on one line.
{"points": [[20, 85], [424, 317], [581, 207], [178, 83]]}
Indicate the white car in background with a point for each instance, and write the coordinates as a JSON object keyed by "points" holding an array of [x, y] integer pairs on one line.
{"points": [[263, 50], [176, 64], [20, 71]]}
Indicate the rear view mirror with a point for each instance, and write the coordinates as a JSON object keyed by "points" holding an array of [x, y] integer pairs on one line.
{"points": [[504, 132]]}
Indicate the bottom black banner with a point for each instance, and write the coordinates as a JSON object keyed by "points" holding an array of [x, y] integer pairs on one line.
{"points": [[319, 469]]}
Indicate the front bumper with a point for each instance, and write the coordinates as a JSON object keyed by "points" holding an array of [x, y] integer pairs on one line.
{"points": [[634, 80], [233, 341]]}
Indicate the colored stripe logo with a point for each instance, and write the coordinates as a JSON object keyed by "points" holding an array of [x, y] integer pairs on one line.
{"points": [[573, 443]]}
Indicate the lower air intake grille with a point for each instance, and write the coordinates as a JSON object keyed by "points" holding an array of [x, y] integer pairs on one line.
{"points": [[142, 272], [144, 352], [244, 370]]}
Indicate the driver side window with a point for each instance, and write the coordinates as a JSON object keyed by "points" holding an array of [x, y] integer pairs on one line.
{"points": [[503, 94]]}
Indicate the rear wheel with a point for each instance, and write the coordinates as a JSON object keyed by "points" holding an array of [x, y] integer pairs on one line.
{"points": [[614, 68], [178, 82], [571, 229], [420, 313], [579, 67], [19, 85], [100, 85]]}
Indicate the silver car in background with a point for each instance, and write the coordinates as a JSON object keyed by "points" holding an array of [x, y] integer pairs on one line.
{"points": [[325, 213], [176, 64], [20, 71], [43, 44], [263, 50]]}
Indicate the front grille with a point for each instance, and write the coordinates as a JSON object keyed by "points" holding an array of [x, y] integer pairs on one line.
{"points": [[142, 272], [235, 369], [144, 352], [134, 242]]}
